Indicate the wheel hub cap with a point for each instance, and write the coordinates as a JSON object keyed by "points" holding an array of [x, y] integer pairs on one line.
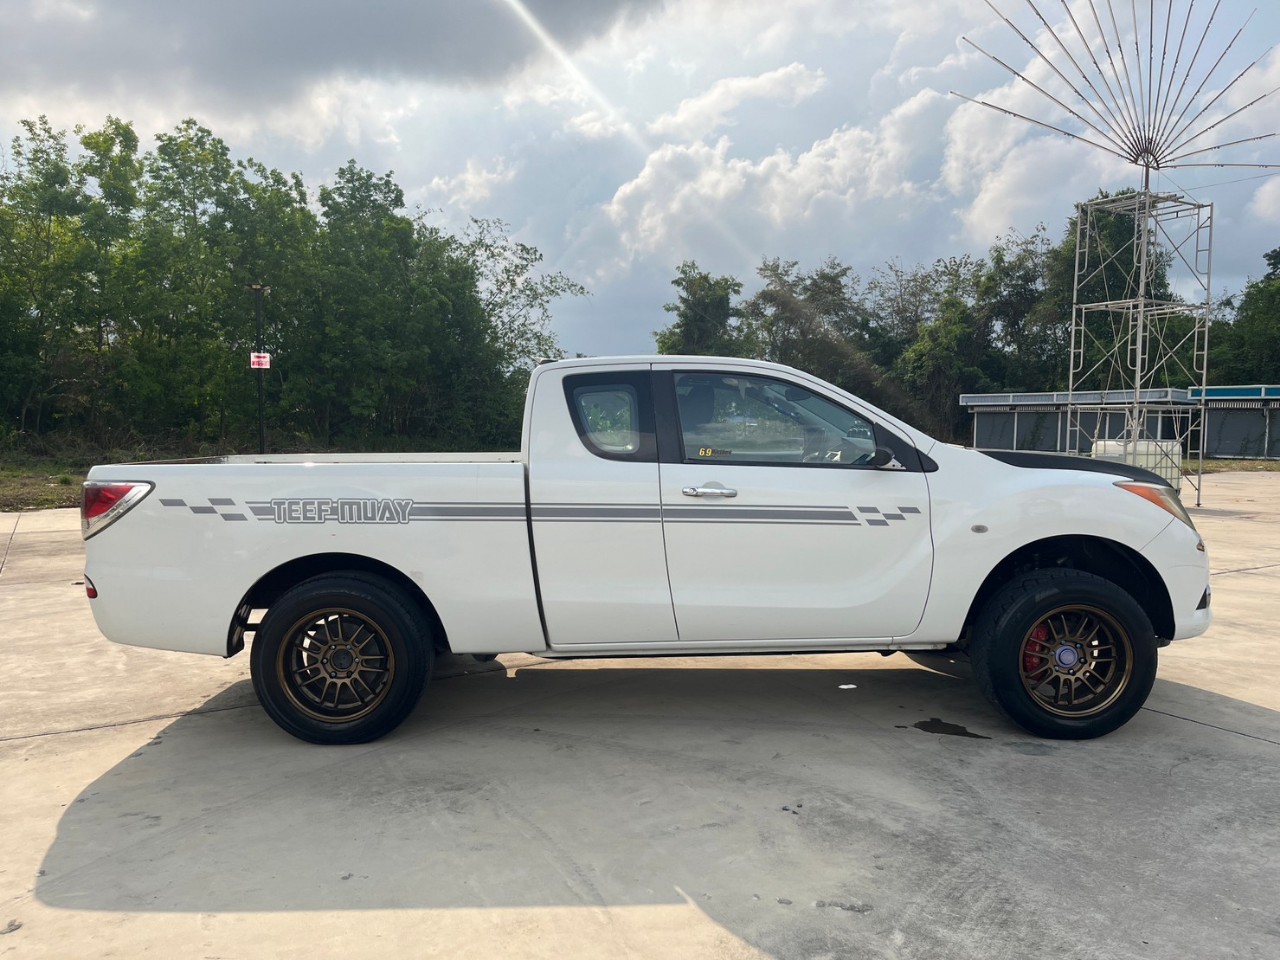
{"points": [[1067, 657]]}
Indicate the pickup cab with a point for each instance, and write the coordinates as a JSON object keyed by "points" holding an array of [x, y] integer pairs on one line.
{"points": [[658, 506]]}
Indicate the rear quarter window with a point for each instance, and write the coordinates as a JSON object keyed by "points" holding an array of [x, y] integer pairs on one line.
{"points": [[613, 414], [610, 417]]}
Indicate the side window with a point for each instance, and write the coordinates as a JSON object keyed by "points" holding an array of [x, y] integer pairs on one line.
{"points": [[613, 414], [611, 417], [759, 420]]}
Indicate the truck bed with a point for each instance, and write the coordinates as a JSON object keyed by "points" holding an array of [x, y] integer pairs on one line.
{"points": [[457, 527]]}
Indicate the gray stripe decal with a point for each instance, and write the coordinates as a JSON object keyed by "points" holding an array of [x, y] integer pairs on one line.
{"points": [[877, 523], [221, 502], [767, 523], [204, 509], [234, 516], [427, 511], [597, 519], [596, 513], [172, 503], [755, 513], [908, 509]]}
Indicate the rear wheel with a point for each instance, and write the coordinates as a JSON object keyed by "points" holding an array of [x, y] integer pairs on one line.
{"points": [[340, 659], [1064, 654]]}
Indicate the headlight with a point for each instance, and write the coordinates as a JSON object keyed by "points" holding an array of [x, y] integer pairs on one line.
{"points": [[1163, 497]]}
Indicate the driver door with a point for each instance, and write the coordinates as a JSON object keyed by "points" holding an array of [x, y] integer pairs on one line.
{"points": [[776, 526]]}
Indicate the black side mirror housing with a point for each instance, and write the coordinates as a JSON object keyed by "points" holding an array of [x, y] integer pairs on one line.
{"points": [[882, 456]]}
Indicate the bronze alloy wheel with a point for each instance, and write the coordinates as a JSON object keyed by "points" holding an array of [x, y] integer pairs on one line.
{"points": [[1076, 661], [335, 665]]}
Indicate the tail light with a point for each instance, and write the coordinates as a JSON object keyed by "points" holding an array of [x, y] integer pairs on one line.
{"points": [[106, 501]]}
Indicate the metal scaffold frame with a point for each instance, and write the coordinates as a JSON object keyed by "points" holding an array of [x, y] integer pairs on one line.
{"points": [[1142, 337]]}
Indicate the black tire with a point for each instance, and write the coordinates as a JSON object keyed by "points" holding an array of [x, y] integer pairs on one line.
{"points": [[1064, 654], [341, 658]]}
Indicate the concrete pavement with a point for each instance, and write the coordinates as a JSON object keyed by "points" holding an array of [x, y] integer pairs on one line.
{"points": [[756, 807]]}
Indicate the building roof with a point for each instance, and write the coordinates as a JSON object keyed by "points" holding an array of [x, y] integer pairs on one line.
{"points": [[1120, 398]]}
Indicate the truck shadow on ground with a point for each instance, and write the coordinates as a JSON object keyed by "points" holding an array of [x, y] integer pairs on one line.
{"points": [[800, 808]]}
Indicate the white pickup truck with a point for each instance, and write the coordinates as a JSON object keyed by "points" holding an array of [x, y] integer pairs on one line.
{"points": [[658, 506]]}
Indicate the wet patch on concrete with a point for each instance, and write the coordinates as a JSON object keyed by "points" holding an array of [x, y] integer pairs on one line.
{"points": [[842, 905], [935, 725]]}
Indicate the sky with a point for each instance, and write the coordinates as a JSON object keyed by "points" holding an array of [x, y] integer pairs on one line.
{"points": [[622, 137]]}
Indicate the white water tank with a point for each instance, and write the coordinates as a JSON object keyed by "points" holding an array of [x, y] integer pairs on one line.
{"points": [[1161, 457]]}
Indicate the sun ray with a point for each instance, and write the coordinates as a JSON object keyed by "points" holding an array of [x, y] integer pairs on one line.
{"points": [[558, 53], [618, 120]]}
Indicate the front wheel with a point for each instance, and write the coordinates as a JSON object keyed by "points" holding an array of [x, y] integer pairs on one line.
{"points": [[340, 659], [1064, 654]]}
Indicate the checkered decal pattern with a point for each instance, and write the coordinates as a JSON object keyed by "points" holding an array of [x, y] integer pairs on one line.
{"points": [[875, 517], [214, 506]]}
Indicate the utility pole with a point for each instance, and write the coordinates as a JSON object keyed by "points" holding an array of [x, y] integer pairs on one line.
{"points": [[260, 362]]}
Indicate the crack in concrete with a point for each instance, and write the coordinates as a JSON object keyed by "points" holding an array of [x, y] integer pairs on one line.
{"points": [[1203, 723], [1265, 566], [124, 723], [44, 583], [7, 544]]}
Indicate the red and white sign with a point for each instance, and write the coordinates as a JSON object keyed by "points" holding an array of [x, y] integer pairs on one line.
{"points": [[259, 361]]}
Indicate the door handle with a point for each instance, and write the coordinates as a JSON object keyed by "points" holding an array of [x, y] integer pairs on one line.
{"points": [[709, 491]]}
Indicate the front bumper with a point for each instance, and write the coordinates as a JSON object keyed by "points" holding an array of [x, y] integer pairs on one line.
{"points": [[1179, 556]]}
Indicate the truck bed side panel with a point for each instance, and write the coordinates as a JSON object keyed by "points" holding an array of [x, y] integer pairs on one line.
{"points": [[457, 530]]}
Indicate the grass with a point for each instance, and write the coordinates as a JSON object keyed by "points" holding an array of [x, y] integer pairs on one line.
{"points": [[28, 483], [1233, 466]]}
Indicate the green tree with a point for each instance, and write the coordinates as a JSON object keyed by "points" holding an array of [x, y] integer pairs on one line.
{"points": [[112, 172], [358, 343], [124, 314], [706, 319], [516, 299], [817, 322], [1029, 335], [947, 360], [1246, 348], [43, 255], [179, 263]]}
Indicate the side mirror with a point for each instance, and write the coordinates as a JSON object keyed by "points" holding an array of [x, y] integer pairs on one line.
{"points": [[882, 456]]}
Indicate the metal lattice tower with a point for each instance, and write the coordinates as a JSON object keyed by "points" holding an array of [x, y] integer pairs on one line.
{"points": [[1142, 86], [1131, 336]]}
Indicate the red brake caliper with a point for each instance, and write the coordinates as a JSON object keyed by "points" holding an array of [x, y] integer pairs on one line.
{"points": [[1032, 659]]}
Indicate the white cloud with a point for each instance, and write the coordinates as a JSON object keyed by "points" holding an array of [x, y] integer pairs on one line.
{"points": [[698, 116], [1265, 204], [1037, 182], [686, 192], [473, 185], [55, 10], [548, 93], [639, 62], [598, 125], [355, 109]]}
